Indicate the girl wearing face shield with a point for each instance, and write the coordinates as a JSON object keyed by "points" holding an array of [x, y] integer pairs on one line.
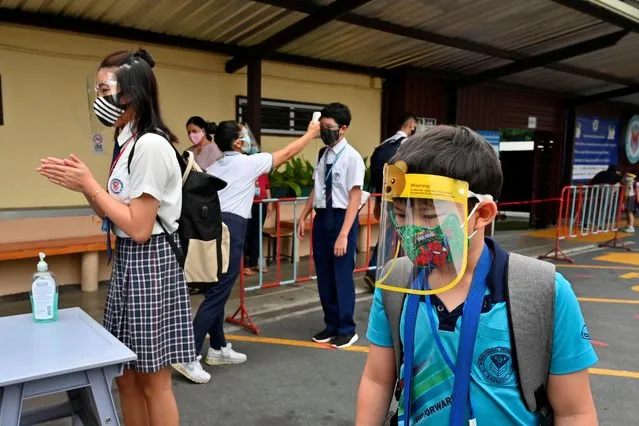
{"points": [[240, 171], [148, 306], [200, 134]]}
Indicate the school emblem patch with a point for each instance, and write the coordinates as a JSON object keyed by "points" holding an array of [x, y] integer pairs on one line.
{"points": [[496, 364], [336, 176], [116, 186]]}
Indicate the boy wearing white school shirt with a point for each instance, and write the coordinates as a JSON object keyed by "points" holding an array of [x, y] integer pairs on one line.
{"points": [[336, 197]]}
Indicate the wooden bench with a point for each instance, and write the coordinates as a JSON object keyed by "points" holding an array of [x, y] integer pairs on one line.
{"points": [[89, 247]]}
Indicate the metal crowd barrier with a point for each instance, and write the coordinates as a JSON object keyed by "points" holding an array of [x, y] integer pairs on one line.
{"points": [[588, 210], [281, 230]]}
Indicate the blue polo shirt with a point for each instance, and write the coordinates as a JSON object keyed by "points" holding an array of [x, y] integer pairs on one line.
{"points": [[494, 385]]}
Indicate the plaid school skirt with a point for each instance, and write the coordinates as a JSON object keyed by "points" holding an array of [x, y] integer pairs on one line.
{"points": [[148, 306]]}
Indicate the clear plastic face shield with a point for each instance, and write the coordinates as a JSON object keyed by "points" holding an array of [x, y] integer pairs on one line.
{"points": [[424, 242], [105, 107], [249, 143]]}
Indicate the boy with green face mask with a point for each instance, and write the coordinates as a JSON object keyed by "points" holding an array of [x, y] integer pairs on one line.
{"points": [[449, 383]]}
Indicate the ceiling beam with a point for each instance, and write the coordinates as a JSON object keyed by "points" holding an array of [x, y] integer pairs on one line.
{"points": [[302, 27], [611, 94], [546, 58], [614, 12], [94, 28], [431, 37]]}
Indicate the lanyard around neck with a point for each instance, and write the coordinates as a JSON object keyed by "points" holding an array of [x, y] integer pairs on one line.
{"points": [[470, 323], [326, 175], [115, 161]]}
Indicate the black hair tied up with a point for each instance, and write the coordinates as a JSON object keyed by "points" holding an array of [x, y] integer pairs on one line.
{"points": [[138, 85], [145, 56]]}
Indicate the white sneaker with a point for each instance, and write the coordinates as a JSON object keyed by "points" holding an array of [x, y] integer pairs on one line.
{"points": [[193, 371], [224, 356], [628, 229]]}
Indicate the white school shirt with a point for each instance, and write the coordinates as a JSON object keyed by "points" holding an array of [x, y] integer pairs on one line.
{"points": [[348, 172], [240, 172], [398, 135], [154, 171]]}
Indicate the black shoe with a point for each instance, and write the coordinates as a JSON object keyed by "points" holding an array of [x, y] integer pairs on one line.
{"points": [[324, 336], [342, 342]]}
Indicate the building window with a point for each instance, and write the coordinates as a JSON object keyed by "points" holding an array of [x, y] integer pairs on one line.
{"points": [[280, 118]]}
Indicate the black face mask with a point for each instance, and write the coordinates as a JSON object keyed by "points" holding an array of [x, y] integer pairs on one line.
{"points": [[329, 136]]}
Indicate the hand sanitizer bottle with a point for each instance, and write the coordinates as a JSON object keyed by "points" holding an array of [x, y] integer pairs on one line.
{"points": [[44, 294]]}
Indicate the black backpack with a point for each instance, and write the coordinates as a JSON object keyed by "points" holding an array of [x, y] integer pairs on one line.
{"points": [[382, 155], [205, 240]]}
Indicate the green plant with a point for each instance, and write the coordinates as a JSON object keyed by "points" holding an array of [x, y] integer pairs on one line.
{"points": [[302, 171], [296, 175]]}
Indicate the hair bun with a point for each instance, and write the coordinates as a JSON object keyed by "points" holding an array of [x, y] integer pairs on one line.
{"points": [[145, 56], [211, 127]]}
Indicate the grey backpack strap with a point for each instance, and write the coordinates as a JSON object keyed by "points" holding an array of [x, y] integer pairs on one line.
{"points": [[530, 296], [394, 304]]}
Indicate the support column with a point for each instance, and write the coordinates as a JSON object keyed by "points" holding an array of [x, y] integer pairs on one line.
{"points": [[451, 103], [254, 95], [90, 271], [570, 117]]}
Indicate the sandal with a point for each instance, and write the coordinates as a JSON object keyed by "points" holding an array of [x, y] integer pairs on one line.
{"points": [[248, 272]]}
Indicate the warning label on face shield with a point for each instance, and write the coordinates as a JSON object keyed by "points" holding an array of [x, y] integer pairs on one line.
{"points": [[435, 188]]}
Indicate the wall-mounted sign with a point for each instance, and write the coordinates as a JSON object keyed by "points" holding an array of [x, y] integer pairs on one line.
{"points": [[632, 140], [493, 138], [596, 146], [532, 122], [98, 143], [424, 124]]}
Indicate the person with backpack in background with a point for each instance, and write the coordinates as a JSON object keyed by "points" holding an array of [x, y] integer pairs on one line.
{"points": [[200, 134], [147, 308], [336, 198], [240, 171], [462, 332], [407, 126]]}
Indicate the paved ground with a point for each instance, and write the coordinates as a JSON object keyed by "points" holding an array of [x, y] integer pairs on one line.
{"points": [[289, 381]]}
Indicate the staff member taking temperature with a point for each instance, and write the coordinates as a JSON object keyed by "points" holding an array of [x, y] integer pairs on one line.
{"points": [[240, 171]]}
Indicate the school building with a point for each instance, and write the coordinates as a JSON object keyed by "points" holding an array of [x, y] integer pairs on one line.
{"points": [[551, 83]]}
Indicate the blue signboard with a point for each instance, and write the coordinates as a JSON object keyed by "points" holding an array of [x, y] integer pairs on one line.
{"points": [[596, 146], [493, 138]]}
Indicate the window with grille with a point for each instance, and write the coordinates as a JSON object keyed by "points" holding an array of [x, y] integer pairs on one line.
{"points": [[283, 118]]}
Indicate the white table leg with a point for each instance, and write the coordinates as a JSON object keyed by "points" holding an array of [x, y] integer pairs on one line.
{"points": [[11, 405], [101, 381]]}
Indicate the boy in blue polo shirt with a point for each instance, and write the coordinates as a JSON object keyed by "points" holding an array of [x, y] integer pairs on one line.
{"points": [[493, 395]]}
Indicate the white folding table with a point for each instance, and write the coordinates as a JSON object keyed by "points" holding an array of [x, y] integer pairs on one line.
{"points": [[74, 355]]}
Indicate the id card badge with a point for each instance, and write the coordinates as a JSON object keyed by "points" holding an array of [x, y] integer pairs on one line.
{"points": [[105, 224], [321, 200], [258, 192]]}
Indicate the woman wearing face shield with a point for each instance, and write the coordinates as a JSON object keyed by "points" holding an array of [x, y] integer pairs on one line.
{"points": [[200, 132], [148, 306], [240, 171]]}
